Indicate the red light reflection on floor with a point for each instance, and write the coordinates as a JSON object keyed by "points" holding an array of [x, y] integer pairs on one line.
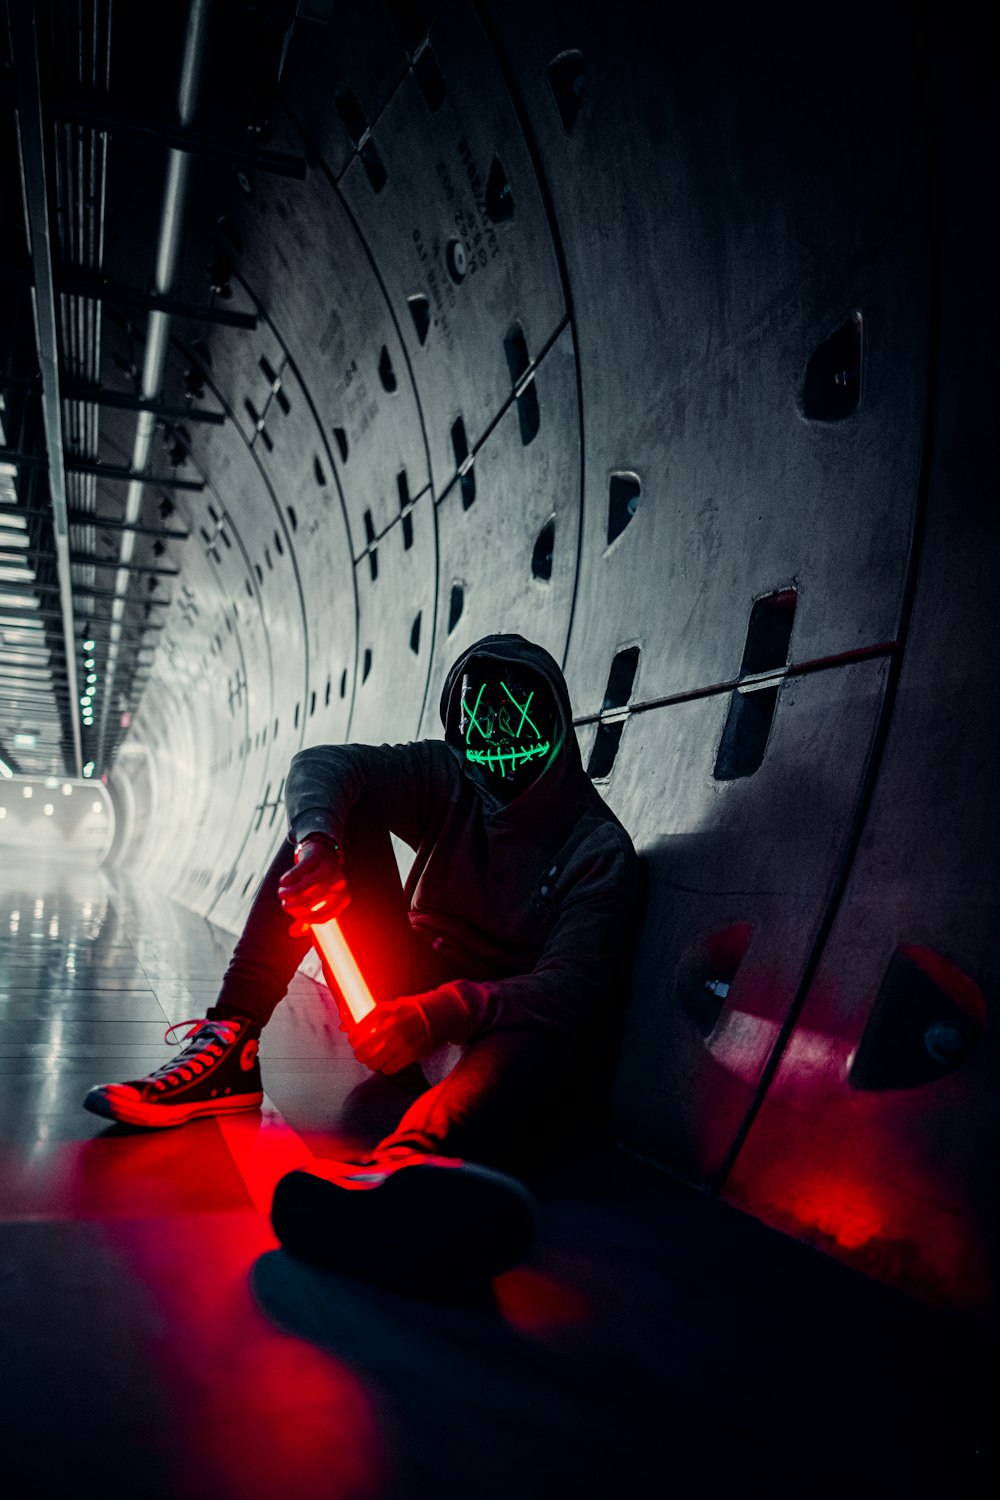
{"points": [[534, 1302], [841, 1208], [254, 1412], [836, 1189], [258, 1411]]}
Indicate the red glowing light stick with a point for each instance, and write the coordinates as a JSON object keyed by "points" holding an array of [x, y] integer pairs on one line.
{"points": [[332, 943], [333, 946]]}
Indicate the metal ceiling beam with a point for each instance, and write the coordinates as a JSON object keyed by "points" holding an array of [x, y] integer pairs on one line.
{"points": [[126, 475], [85, 591], [168, 248], [15, 617], [106, 523], [34, 185], [98, 396], [103, 290], [87, 559], [180, 138]]}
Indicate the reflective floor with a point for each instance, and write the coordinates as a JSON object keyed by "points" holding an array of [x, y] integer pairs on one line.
{"points": [[155, 1339]]}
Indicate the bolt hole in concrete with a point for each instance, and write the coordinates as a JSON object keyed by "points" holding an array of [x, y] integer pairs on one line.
{"points": [[623, 502], [420, 312], [541, 557], [751, 712], [429, 78], [386, 373], [415, 634], [832, 387], [341, 439], [605, 750], [352, 116], [366, 665], [373, 551], [499, 198], [372, 163], [518, 364], [456, 604], [568, 81], [621, 678], [769, 633], [460, 448], [707, 970], [927, 1019]]}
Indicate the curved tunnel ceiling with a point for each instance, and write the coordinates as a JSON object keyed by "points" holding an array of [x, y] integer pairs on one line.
{"points": [[644, 338]]}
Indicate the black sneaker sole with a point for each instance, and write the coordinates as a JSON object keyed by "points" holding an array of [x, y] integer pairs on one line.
{"points": [[162, 1116], [426, 1230]]}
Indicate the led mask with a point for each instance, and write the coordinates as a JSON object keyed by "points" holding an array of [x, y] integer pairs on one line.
{"points": [[508, 723]]}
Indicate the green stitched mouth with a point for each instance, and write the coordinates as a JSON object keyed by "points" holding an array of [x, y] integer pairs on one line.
{"points": [[494, 759]]}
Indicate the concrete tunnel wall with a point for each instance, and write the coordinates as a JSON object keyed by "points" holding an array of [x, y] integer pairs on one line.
{"points": [[654, 338]]}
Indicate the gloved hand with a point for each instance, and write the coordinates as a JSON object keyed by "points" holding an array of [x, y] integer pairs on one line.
{"points": [[315, 890], [399, 1032]]}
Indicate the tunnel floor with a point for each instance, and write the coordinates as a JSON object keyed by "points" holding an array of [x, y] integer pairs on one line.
{"points": [[155, 1338]]}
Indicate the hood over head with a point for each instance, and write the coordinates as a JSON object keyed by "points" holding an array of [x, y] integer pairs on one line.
{"points": [[563, 765]]}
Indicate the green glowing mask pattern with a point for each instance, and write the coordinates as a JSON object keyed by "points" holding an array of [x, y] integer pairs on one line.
{"points": [[502, 727]]}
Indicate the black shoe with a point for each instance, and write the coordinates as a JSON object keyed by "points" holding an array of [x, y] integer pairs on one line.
{"points": [[216, 1073], [422, 1225]]}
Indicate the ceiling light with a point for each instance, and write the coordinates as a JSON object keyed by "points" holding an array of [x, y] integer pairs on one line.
{"points": [[88, 769], [91, 676], [88, 645], [89, 662]]}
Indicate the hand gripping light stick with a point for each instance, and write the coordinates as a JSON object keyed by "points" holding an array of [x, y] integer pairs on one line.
{"points": [[333, 946]]}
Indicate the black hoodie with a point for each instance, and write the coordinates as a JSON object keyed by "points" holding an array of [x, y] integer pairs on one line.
{"points": [[528, 900]]}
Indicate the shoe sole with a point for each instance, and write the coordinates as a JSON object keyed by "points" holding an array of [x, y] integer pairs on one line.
{"points": [[163, 1116], [424, 1230]]}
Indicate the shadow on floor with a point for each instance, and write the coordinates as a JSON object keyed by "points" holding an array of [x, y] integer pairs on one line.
{"points": [[655, 1343]]}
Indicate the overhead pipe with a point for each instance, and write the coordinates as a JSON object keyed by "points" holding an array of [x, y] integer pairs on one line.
{"points": [[31, 137], [175, 193]]}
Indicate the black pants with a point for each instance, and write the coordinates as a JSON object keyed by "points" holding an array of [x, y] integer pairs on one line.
{"points": [[500, 1104]]}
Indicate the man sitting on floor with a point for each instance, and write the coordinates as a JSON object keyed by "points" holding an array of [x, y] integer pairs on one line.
{"points": [[506, 939]]}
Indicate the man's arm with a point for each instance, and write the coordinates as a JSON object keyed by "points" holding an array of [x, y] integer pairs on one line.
{"points": [[573, 974], [325, 781]]}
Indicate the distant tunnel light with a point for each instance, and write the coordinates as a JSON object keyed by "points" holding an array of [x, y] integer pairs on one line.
{"points": [[28, 791], [48, 809], [67, 789], [25, 741], [97, 806]]}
